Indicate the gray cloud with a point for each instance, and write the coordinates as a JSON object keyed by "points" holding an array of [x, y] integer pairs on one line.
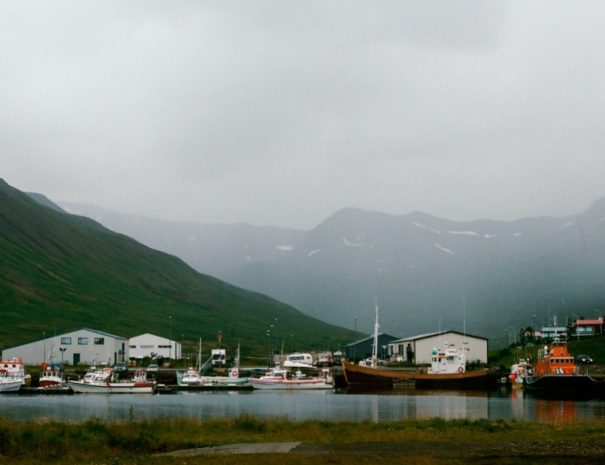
{"points": [[281, 112]]}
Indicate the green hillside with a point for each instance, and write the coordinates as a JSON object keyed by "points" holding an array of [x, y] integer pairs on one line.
{"points": [[61, 272]]}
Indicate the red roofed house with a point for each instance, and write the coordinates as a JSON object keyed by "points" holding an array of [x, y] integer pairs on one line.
{"points": [[588, 327]]}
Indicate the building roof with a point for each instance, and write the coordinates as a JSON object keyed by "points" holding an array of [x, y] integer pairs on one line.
{"points": [[103, 333], [593, 322], [369, 338], [436, 333]]}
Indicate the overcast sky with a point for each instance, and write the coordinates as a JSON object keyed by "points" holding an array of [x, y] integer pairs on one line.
{"points": [[282, 112]]}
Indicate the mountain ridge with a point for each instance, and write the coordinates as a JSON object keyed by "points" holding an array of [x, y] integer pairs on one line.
{"points": [[429, 272], [62, 272]]}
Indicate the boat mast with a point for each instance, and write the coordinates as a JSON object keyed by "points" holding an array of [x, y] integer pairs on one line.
{"points": [[199, 357], [375, 345]]}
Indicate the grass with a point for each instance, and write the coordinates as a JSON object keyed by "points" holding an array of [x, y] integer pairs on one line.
{"points": [[416, 441]]}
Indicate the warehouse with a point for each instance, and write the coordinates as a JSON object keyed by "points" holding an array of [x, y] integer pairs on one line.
{"points": [[418, 349], [83, 346], [152, 346]]}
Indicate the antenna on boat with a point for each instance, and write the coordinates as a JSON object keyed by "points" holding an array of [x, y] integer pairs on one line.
{"points": [[376, 328], [464, 313]]}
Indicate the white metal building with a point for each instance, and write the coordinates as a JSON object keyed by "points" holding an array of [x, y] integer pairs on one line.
{"points": [[87, 346], [150, 345], [418, 349]]}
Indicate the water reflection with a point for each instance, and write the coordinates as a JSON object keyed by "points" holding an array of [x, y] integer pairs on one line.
{"points": [[321, 405]]}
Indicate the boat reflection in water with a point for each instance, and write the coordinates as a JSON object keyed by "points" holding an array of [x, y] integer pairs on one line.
{"points": [[385, 406]]}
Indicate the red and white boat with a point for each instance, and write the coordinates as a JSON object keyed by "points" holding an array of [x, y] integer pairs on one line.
{"points": [[278, 378], [50, 377], [101, 382]]}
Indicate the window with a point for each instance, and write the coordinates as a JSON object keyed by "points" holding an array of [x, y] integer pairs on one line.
{"points": [[82, 341], [66, 341], [132, 347], [164, 346], [99, 341], [147, 346]]}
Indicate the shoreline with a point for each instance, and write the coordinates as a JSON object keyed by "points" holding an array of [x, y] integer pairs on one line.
{"points": [[250, 440]]}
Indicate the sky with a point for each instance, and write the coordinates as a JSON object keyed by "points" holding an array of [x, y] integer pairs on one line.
{"points": [[281, 112]]}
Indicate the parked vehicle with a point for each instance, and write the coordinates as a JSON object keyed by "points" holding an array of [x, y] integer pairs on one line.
{"points": [[583, 359]]}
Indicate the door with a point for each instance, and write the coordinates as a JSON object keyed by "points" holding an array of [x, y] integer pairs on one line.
{"points": [[76, 359]]}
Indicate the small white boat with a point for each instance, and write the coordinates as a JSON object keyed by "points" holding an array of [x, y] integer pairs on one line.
{"points": [[278, 378], [101, 382], [233, 379], [9, 384], [12, 375], [518, 372], [191, 377]]}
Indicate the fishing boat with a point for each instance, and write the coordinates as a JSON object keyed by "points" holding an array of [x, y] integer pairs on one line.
{"points": [[50, 377], [192, 376], [447, 370], [281, 378], [518, 373], [102, 382], [233, 377], [556, 375], [12, 375]]}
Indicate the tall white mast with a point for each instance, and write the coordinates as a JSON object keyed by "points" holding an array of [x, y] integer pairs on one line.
{"points": [[375, 345]]}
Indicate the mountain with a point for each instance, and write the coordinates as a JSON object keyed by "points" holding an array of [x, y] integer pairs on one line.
{"points": [[216, 249], [428, 273], [60, 272]]}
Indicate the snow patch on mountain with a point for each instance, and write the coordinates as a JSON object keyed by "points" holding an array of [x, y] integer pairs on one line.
{"points": [[444, 249], [420, 225], [348, 243], [464, 233], [285, 248], [489, 236], [313, 252], [517, 234]]}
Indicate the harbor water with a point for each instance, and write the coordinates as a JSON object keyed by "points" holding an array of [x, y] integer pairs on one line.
{"points": [[312, 405]]}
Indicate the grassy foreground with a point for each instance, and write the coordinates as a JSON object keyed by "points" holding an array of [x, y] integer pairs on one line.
{"points": [[410, 441]]}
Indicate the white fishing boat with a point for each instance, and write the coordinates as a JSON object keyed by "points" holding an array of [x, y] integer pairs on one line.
{"points": [[12, 375], [279, 378], [9, 384], [192, 376], [232, 379], [101, 382]]}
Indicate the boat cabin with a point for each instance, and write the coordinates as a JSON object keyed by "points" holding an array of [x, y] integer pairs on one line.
{"points": [[555, 360]]}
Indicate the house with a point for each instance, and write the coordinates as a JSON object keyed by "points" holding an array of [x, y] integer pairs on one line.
{"points": [[86, 346], [152, 346], [362, 348], [592, 327], [418, 349]]}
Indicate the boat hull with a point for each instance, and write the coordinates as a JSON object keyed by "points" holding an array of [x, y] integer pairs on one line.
{"points": [[223, 381], [290, 384], [565, 386], [112, 388], [11, 386], [356, 375]]}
